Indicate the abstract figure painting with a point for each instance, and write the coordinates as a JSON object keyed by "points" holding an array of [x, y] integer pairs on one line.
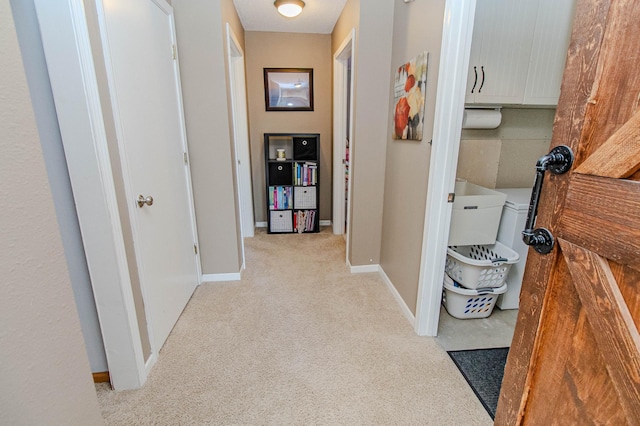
{"points": [[408, 94]]}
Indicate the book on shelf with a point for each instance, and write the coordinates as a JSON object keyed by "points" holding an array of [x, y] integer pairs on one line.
{"points": [[306, 174], [280, 198], [304, 220]]}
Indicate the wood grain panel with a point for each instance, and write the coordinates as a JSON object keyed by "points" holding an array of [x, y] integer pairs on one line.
{"points": [[572, 385], [619, 156], [615, 92], [591, 397], [560, 307], [602, 215], [612, 323], [580, 71], [629, 283], [614, 200], [600, 381]]}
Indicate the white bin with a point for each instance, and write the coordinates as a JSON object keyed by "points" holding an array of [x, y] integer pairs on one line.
{"points": [[463, 303], [480, 266], [514, 217], [476, 215]]}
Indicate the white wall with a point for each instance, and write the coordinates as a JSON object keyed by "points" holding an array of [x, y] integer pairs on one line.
{"points": [[373, 22], [201, 49], [505, 157], [42, 99], [272, 50], [44, 371], [417, 28]]}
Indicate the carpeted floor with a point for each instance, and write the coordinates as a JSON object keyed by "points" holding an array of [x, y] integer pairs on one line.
{"points": [[299, 340]]}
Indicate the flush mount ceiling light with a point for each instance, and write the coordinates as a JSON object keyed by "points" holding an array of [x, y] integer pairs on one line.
{"points": [[289, 8]]}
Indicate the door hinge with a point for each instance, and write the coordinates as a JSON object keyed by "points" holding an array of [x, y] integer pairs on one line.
{"points": [[195, 249], [186, 158], [174, 50]]}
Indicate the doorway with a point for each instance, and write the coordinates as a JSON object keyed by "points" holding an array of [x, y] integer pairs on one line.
{"points": [[510, 151], [240, 135], [151, 151], [343, 135]]}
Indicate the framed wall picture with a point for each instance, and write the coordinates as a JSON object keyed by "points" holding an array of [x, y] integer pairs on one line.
{"points": [[288, 89]]}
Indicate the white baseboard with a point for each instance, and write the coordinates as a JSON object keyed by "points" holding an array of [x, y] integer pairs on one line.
{"points": [[360, 269], [325, 223], [151, 361], [261, 224], [211, 278], [363, 269], [403, 306]]}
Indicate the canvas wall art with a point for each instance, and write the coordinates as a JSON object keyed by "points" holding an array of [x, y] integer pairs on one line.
{"points": [[410, 87]]}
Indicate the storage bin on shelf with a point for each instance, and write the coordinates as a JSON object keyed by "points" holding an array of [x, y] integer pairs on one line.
{"points": [[475, 215], [463, 303], [480, 266]]}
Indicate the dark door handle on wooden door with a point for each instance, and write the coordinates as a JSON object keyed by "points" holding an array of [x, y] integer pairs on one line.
{"points": [[558, 161]]}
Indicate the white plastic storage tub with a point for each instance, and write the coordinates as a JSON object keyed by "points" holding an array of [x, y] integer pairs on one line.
{"points": [[514, 217], [476, 215], [480, 266], [463, 303]]}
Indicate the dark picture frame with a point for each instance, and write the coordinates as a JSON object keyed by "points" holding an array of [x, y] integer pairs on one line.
{"points": [[288, 89]]}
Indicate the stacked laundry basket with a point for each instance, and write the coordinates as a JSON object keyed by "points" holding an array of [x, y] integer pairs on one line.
{"points": [[477, 265]]}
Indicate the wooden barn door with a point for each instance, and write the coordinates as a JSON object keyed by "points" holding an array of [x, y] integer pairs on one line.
{"points": [[575, 358]]}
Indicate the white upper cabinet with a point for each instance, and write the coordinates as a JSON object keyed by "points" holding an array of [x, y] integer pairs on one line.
{"points": [[501, 49], [518, 51], [549, 51]]}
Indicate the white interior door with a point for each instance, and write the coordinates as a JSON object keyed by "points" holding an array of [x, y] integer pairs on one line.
{"points": [[138, 39]]}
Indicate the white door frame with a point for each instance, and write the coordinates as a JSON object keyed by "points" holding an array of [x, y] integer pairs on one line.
{"points": [[65, 39], [238, 93], [340, 115], [452, 82]]}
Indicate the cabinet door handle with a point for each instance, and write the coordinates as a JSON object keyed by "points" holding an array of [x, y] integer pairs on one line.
{"points": [[475, 81], [481, 84]]}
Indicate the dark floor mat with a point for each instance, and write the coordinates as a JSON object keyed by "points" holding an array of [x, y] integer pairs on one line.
{"points": [[483, 369]]}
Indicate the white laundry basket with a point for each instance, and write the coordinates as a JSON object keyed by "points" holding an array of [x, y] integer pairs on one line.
{"points": [[463, 303], [480, 266]]}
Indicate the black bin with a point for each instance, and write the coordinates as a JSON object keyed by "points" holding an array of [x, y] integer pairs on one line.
{"points": [[280, 174], [305, 148]]}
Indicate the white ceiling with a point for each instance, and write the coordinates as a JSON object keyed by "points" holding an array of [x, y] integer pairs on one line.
{"points": [[318, 16]]}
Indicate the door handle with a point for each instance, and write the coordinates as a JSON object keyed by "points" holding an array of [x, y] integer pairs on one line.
{"points": [[558, 161], [142, 200], [481, 84]]}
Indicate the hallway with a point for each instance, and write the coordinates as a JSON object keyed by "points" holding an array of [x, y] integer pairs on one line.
{"points": [[299, 340]]}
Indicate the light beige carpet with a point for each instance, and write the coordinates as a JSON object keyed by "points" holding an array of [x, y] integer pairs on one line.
{"points": [[298, 341]]}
